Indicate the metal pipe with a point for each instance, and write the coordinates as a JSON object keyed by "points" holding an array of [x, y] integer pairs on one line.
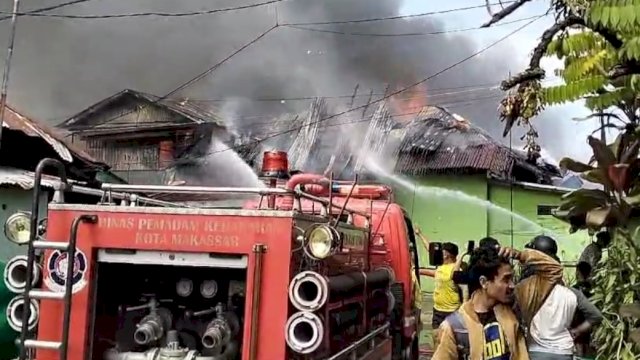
{"points": [[355, 345], [304, 332], [160, 189], [33, 234], [309, 291], [346, 200], [68, 283], [220, 331], [324, 202], [16, 309], [122, 196], [258, 250], [15, 274]]}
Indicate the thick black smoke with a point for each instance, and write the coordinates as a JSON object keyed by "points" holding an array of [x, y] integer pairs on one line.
{"points": [[63, 65]]}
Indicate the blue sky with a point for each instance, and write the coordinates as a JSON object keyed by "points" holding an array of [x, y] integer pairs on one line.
{"points": [[555, 124]]}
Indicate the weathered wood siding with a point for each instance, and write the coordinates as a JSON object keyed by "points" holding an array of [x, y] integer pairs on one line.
{"points": [[126, 155], [133, 113]]}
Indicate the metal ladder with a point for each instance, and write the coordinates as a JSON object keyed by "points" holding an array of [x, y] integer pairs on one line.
{"points": [[35, 244]]}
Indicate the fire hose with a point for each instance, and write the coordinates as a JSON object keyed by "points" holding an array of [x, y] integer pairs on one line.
{"points": [[309, 291]]}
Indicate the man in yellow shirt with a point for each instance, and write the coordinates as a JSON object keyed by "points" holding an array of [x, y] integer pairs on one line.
{"points": [[446, 294]]}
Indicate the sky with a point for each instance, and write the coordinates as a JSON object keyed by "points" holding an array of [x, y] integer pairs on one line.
{"points": [[555, 124], [61, 65]]}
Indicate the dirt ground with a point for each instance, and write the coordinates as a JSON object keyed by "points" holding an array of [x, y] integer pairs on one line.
{"points": [[426, 341]]}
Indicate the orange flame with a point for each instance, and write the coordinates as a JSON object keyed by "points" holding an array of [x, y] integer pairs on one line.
{"points": [[406, 105]]}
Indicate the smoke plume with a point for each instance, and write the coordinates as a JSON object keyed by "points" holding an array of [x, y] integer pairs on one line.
{"points": [[63, 65]]}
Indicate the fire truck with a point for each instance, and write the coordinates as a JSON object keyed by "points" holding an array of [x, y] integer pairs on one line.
{"points": [[307, 268]]}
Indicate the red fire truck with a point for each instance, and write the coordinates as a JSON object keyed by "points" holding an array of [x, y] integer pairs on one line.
{"points": [[307, 268]]}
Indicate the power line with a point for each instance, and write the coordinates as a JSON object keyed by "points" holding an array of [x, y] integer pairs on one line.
{"points": [[441, 32], [48, 8], [199, 76], [147, 14], [269, 122], [397, 17], [7, 65], [207, 12], [484, 49]]}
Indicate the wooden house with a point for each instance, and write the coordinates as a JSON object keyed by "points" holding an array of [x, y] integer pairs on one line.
{"points": [[139, 135]]}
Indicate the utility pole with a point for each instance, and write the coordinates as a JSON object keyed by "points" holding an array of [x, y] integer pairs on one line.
{"points": [[7, 65]]}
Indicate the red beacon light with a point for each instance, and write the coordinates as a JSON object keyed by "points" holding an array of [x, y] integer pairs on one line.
{"points": [[275, 164]]}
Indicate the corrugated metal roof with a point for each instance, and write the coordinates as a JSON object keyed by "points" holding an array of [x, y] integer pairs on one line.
{"points": [[24, 178], [439, 140], [190, 110], [15, 121]]}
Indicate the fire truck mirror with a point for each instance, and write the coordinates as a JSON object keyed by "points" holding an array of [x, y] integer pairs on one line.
{"points": [[435, 254]]}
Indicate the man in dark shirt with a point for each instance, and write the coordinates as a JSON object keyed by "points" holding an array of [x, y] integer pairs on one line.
{"points": [[593, 252], [461, 277], [584, 349]]}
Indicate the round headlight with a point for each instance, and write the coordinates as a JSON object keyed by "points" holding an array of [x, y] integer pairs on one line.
{"points": [[320, 241], [17, 228]]}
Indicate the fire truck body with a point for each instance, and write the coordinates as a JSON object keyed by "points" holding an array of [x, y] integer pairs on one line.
{"points": [[310, 270]]}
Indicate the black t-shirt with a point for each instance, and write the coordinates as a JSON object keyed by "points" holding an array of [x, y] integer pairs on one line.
{"points": [[495, 344]]}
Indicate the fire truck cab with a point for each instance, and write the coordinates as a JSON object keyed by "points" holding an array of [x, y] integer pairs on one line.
{"points": [[307, 268]]}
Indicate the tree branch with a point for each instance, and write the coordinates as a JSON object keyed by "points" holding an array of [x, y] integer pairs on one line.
{"points": [[630, 68], [497, 17], [534, 71]]}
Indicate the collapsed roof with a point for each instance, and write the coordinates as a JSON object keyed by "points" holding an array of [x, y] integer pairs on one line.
{"points": [[434, 142]]}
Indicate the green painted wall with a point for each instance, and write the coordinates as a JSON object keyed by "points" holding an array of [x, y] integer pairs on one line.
{"points": [[12, 199], [454, 208]]}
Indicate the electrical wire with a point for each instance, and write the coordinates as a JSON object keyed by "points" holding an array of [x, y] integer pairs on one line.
{"points": [[441, 32], [147, 14], [7, 65], [484, 49], [269, 122], [40, 10], [199, 76], [396, 17]]}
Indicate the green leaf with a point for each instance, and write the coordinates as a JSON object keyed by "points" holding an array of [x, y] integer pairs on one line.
{"points": [[600, 217], [572, 165], [598, 176]]}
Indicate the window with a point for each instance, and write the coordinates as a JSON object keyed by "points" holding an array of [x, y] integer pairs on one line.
{"points": [[545, 209]]}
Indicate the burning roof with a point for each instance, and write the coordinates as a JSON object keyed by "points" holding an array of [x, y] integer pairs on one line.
{"points": [[439, 141], [434, 141]]}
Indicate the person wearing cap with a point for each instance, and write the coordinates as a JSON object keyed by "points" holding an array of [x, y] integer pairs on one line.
{"points": [[547, 308]]}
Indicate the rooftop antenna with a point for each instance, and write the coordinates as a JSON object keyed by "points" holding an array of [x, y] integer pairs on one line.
{"points": [[7, 64]]}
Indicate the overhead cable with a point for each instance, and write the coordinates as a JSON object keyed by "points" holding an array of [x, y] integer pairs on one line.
{"points": [[199, 76], [40, 10], [461, 61], [440, 32], [213, 11], [396, 17], [147, 14]]}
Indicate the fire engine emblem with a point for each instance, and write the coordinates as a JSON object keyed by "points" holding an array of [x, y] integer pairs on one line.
{"points": [[57, 271]]}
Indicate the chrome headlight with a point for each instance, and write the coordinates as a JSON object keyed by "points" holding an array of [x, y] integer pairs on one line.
{"points": [[321, 241], [17, 228]]}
